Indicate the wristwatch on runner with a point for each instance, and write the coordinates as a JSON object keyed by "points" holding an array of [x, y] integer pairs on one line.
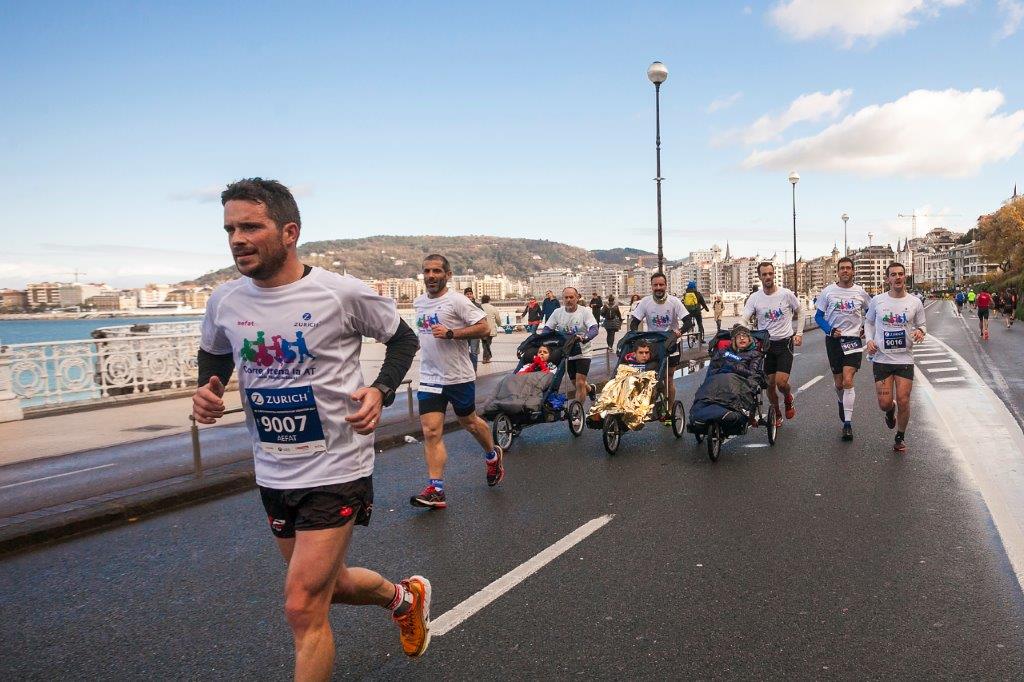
{"points": [[387, 394], [450, 334]]}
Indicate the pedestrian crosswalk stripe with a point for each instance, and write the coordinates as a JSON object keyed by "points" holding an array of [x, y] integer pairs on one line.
{"points": [[947, 379], [933, 362], [933, 370]]}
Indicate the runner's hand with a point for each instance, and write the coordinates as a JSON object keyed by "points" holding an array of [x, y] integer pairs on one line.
{"points": [[366, 419], [207, 403], [918, 336], [872, 347], [798, 340], [439, 331], [836, 333]]}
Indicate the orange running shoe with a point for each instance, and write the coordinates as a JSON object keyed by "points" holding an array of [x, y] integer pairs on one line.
{"points": [[790, 410], [414, 624]]}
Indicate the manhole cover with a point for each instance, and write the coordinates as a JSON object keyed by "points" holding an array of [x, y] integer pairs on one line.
{"points": [[151, 427]]}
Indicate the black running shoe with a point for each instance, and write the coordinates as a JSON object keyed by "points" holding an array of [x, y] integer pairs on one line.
{"points": [[847, 431], [890, 418], [898, 445]]}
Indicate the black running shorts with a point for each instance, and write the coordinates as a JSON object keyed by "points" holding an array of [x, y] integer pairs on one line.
{"points": [[884, 370], [578, 366], [323, 506], [983, 313], [837, 359], [779, 356]]}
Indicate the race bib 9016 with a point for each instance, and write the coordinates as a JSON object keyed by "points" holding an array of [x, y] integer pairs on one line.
{"points": [[895, 340], [287, 420]]}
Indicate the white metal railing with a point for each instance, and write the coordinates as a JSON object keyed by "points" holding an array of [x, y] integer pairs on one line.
{"points": [[66, 371]]}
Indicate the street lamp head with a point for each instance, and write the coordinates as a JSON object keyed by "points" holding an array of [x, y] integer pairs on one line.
{"points": [[845, 217], [657, 73], [794, 177]]}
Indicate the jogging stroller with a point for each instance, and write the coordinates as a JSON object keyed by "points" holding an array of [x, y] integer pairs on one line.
{"points": [[612, 418], [729, 401], [523, 400]]}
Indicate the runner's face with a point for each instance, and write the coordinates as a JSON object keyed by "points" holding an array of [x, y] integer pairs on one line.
{"points": [[845, 274], [767, 277], [658, 287], [259, 248], [435, 278], [570, 298], [897, 279]]}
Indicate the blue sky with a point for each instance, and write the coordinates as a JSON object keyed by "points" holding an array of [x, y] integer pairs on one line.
{"points": [[121, 122]]}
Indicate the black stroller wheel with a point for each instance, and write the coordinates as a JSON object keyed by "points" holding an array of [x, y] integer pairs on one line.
{"points": [[611, 433], [714, 441], [576, 417], [678, 419], [503, 432], [771, 428]]}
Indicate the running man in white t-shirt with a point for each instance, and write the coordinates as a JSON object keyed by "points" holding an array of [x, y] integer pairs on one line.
{"points": [[774, 308], [296, 333], [572, 319], [894, 322], [840, 314], [445, 320], [662, 312]]}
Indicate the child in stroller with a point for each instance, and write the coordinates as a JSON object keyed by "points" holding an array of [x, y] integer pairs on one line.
{"points": [[729, 399]]}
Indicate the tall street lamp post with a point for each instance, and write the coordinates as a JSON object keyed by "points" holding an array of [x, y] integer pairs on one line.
{"points": [[657, 73], [846, 249], [794, 178]]}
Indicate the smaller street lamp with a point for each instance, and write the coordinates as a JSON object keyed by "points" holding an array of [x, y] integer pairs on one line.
{"points": [[794, 178], [846, 248]]}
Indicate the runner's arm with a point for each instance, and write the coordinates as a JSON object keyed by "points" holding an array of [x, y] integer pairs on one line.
{"points": [[401, 349], [819, 317], [799, 315], [592, 331], [478, 330], [215, 364]]}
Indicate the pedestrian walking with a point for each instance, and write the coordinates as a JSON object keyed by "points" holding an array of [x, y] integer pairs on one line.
{"points": [[550, 304], [596, 303], [718, 307], [310, 419], [611, 320], [474, 344], [494, 320], [532, 314]]}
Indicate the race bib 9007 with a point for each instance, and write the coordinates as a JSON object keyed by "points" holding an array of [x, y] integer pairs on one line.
{"points": [[287, 420], [895, 340]]}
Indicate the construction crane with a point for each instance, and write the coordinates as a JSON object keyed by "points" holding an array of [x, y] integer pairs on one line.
{"points": [[76, 273], [914, 215]]}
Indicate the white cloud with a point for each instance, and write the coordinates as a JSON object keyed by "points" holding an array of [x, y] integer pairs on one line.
{"points": [[1013, 14], [815, 106], [211, 193], [747, 9], [724, 102], [852, 20], [947, 133]]}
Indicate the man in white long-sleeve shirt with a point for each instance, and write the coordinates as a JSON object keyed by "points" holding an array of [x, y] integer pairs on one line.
{"points": [[774, 308], [894, 322]]}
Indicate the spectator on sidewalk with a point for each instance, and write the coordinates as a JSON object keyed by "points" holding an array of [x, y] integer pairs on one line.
{"points": [[474, 344], [494, 320], [719, 308], [634, 301], [595, 305], [611, 320], [532, 314], [550, 304]]}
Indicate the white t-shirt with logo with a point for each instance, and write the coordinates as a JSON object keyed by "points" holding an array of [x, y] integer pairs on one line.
{"points": [[576, 323], [844, 307], [661, 317], [775, 312], [297, 351], [445, 361], [892, 322]]}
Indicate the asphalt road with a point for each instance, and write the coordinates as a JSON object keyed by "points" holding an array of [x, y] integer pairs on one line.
{"points": [[812, 559]]}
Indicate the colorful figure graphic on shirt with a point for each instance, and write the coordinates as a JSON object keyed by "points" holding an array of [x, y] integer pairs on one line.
{"points": [[425, 323], [300, 341], [660, 320], [772, 315], [845, 305], [287, 354], [276, 348], [263, 356], [895, 318], [248, 353]]}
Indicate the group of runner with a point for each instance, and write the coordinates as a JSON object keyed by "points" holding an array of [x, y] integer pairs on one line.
{"points": [[312, 420], [984, 303]]}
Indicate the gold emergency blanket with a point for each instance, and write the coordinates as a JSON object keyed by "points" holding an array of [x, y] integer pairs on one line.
{"points": [[630, 393]]}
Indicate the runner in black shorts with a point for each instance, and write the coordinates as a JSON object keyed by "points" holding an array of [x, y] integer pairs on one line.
{"points": [[573, 319], [778, 357], [296, 332], [840, 314]]}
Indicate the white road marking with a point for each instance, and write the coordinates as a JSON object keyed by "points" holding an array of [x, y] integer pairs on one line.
{"points": [[933, 370], [756, 445], [810, 383], [942, 380], [457, 614], [929, 354], [933, 362], [67, 473]]}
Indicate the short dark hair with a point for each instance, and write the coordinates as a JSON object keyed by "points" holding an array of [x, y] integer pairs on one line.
{"points": [[485, 299], [278, 199], [444, 261], [642, 344], [844, 259], [467, 290], [764, 263], [659, 274], [894, 264]]}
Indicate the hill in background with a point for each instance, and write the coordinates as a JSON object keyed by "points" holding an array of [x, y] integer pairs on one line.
{"points": [[392, 256], [620, 256]]}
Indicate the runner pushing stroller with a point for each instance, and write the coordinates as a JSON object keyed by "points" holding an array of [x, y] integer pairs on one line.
{"points": [[729, 400]]}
